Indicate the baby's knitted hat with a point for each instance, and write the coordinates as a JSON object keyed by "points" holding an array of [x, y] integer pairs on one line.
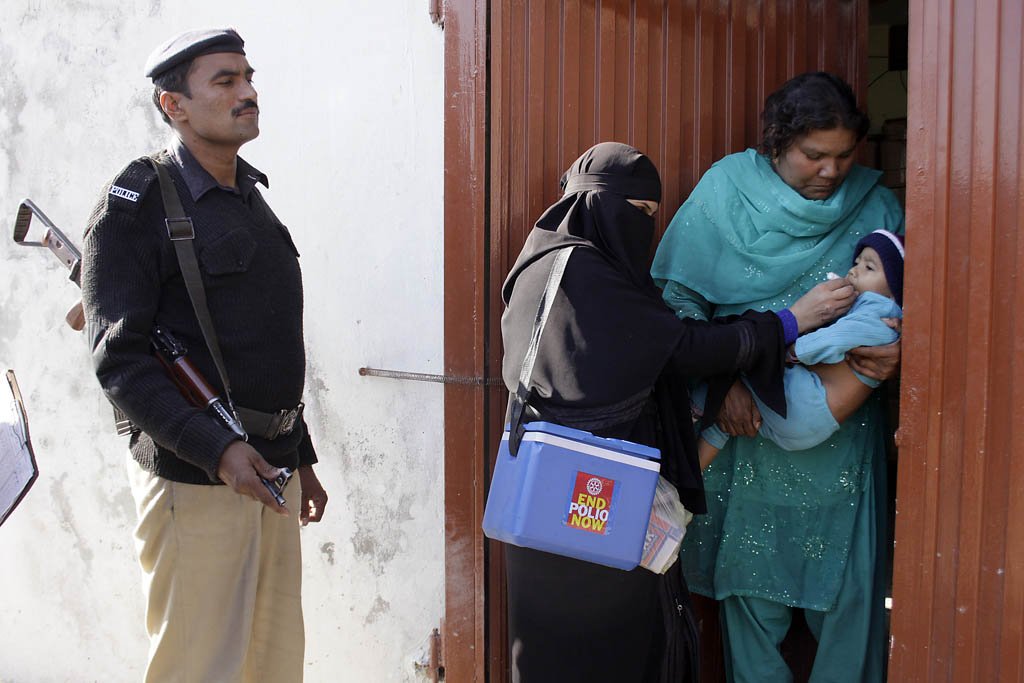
{"points": [[890, 249]]}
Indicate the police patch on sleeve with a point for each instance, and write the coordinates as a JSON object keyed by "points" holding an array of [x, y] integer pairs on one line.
{"points": [[124, 194]]}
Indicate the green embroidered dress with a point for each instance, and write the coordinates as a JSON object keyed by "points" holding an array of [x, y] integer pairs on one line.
{"points": [[780, 525]]}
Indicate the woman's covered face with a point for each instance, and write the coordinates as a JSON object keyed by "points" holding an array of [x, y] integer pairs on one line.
{"points": [[816, 164], [648, 206]]}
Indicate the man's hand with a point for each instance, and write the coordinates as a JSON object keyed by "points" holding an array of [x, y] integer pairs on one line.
{"points": [[739, 415], [823, 303], [241, 467], [314, 498]]}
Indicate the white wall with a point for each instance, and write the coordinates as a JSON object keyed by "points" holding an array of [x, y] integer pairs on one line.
{"points": [[351, 100]]}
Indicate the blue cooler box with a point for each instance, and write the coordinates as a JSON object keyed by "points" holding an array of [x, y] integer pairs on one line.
{"points": [[572, 493]]}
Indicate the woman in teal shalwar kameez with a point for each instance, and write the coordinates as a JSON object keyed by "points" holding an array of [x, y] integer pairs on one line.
{"points": [[802, 529]]}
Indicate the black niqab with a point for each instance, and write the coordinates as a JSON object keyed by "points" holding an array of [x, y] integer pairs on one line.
{"points": [[609, 334], [594, 212]]}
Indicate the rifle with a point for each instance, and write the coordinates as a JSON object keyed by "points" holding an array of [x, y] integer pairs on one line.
{"points": [[172, 354]]}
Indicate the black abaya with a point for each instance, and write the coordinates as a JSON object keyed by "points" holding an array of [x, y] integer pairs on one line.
{"points": [[613, 360]]}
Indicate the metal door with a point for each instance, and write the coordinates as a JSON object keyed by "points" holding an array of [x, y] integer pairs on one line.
{"points": [[683, 80], [958, 585]]}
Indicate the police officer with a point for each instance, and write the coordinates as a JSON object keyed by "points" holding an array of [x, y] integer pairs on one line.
{"points": [[219, 555]]}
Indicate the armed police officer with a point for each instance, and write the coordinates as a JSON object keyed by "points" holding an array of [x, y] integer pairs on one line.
{"points": [[201, 248]]}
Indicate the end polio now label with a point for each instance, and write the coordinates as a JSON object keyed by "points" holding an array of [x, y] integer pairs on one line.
{"points": [[590, 506]]}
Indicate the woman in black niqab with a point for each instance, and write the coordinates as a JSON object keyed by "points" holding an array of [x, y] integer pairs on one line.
{"points": [[614, 360]]}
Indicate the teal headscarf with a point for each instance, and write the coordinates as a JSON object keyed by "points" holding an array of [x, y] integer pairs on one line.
{"points": [[745, 235]]}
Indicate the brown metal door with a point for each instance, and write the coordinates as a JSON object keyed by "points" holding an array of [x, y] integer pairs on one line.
{"points": [[958, 585], [683, 80]]}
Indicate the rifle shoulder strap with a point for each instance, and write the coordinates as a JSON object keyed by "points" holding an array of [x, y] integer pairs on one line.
{"points": [[182, 233]]}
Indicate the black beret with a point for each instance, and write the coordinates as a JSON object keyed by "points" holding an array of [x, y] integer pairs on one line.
{"points": [[191, 44]]}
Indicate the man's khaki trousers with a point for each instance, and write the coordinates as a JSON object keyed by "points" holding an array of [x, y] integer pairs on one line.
{"points": [[221, 576]]}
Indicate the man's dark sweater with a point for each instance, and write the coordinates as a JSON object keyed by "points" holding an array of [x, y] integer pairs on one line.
{"points": [[131, 281]]}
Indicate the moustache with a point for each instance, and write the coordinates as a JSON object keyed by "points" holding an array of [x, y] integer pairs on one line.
{"points": [[248, 104]]}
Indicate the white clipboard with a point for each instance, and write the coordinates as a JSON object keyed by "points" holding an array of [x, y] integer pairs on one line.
{"points": [[18, 470]]}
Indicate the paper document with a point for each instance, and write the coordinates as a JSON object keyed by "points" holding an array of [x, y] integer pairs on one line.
{"points": [[17, 462]]}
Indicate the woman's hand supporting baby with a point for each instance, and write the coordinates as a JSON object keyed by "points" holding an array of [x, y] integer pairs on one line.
{"points": [[878, 362], [739, 415]]}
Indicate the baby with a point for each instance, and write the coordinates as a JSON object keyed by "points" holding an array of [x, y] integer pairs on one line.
{"points": [[877, 276]]}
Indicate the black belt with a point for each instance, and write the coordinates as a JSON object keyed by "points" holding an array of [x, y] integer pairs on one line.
{"points": [[270, 426]]}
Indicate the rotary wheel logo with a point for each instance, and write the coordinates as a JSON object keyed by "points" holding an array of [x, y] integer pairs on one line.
{"points": [[594, 486]]}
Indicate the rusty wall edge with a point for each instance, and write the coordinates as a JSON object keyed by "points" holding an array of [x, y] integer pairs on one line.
{"points": [[465, 191]]}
